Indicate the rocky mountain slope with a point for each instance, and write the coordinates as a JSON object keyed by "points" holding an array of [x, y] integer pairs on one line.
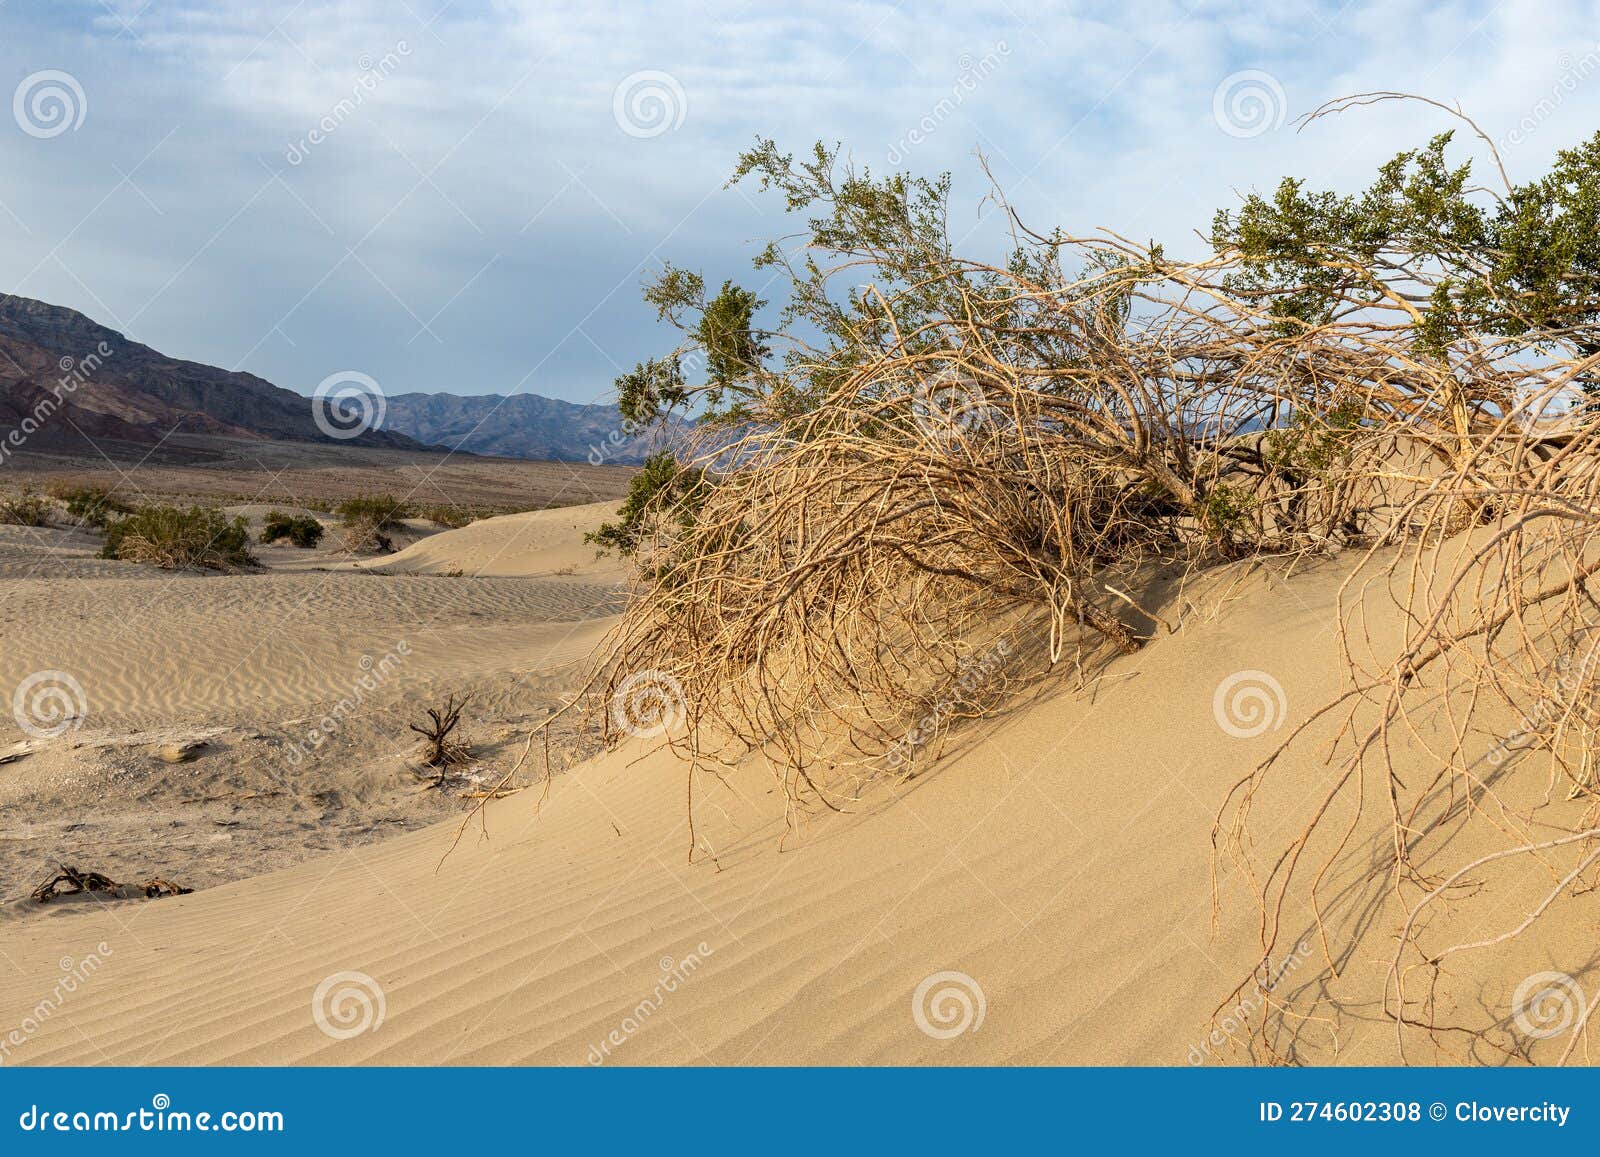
{"points": [[65, 379], [519, 426]]}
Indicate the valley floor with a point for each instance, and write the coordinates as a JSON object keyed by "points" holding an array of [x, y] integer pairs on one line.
{"points": [[294, 688]]}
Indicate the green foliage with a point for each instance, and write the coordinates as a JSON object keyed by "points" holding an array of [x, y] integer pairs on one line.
{"points": [[451, 515], [1524, 265], [377, 510], [26, 509], [894, 224], [726, 334], [176, 538], [1226, 509], [663, 493], [872, 268], [1313, 442], [869, 278], [1546, 241], [652, 389], [300, 529], [92, 505]]}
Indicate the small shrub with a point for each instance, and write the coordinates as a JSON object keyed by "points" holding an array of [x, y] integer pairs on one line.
{"points": [[1226, 508], [27, 509], [380, 509], [302, 530], [454, 517], [92, 505], [368, 518], [441, 751], [175, 538]]}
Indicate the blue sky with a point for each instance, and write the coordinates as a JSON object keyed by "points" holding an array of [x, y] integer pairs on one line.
{"points": [[499, 177]]}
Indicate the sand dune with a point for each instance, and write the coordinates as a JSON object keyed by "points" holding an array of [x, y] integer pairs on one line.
{"points": [[163, 645], [1062, 870], [534, 543], [1042, 896]]}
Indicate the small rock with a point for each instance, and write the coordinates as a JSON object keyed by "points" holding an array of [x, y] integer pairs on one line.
{"points": [[180, 752]]}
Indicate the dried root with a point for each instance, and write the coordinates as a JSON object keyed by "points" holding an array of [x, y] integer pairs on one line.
{"points": [[70, 881], [441, 752]]}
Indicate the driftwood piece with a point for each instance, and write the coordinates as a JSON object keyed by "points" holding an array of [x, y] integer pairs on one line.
{"points": [[69, 881], [157, 887]]}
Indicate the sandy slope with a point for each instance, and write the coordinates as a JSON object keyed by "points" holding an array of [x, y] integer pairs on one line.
{"points": [[1060, 860], [534, 543]]}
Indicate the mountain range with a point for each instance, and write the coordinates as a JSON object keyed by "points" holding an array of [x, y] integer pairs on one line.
{"points": [[89, 382], [518, 426], [68, 383]]}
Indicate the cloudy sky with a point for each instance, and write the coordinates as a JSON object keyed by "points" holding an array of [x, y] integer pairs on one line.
{"points": [[465, 196]]}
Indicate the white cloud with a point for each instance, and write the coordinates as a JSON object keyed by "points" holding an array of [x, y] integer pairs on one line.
{"points": [[478, 221]]}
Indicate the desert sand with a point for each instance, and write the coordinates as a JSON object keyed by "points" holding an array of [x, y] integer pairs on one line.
{"points": [[1056, 863], [254, 667], [186, 468]]}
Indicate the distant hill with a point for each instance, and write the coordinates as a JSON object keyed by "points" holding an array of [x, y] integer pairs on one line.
{"points": [[94, 383], [68, 382], [518, 426]]}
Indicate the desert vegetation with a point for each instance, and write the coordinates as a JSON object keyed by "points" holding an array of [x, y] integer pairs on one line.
{"points": [[90, 506], [301, 530], [441, 751], [179, 538], [452, 516], [25, 509], [916, 455], [369, 519]]}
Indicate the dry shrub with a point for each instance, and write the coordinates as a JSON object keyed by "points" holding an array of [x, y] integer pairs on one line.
{"points": [[1027, 466], [368, 521], [441, 751], [25, 509], [448, 514], [300, 529], [974, 453], [176, 538], [92, 506]]}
